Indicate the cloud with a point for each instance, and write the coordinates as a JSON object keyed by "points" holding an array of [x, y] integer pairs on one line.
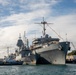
{"points": [[39, 1], [75, 1], [23, 16], [9, 7], [63, 24], [38, 4], [4, 2], [14, 24]]}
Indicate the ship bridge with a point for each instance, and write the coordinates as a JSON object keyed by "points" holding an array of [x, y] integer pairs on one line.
{"points": [[45, 39]]}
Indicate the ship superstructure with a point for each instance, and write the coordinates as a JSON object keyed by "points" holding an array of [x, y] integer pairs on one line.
{"points": [[24, 53]]}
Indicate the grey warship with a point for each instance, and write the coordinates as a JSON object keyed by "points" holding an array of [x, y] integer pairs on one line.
{"points": [[23, 53], [48, 50]]}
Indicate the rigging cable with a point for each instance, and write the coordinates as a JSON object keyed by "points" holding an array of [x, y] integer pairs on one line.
{"points": [[73, 45], [55, 32]]}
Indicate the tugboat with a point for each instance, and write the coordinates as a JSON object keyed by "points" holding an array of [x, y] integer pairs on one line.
{"points": [[10, 60], [48, 50]]}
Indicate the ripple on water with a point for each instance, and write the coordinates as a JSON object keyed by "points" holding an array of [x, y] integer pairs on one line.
{"points": [[69, 69]]}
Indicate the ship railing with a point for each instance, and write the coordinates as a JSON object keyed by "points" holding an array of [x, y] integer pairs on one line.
{"points": [[36, 46]]}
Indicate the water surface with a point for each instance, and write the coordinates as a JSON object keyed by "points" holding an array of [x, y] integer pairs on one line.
{"points": [[69, 69]]}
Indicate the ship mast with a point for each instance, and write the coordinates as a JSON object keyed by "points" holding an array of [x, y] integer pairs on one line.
{"points": [[44, 23], [8, 51], [19, 35], [44, 29]]}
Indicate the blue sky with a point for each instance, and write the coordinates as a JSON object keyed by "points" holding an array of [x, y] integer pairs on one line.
{"points": [[9, 7], [17, 16], [65, 7]]}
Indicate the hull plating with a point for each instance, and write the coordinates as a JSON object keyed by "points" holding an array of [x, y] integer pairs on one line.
{"points": [[51, 57]]}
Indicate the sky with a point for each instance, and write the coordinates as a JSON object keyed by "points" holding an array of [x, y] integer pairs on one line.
{"points": [[17, 16]]}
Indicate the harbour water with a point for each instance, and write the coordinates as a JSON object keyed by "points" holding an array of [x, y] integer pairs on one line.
{"points": [[69, 69]]}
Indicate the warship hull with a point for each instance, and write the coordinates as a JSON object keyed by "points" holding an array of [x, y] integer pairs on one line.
{"points": [[50, 57], [53, 54]]}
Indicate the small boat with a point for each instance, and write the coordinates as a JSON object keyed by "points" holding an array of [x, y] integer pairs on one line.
{"points": [[9, 60]]}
